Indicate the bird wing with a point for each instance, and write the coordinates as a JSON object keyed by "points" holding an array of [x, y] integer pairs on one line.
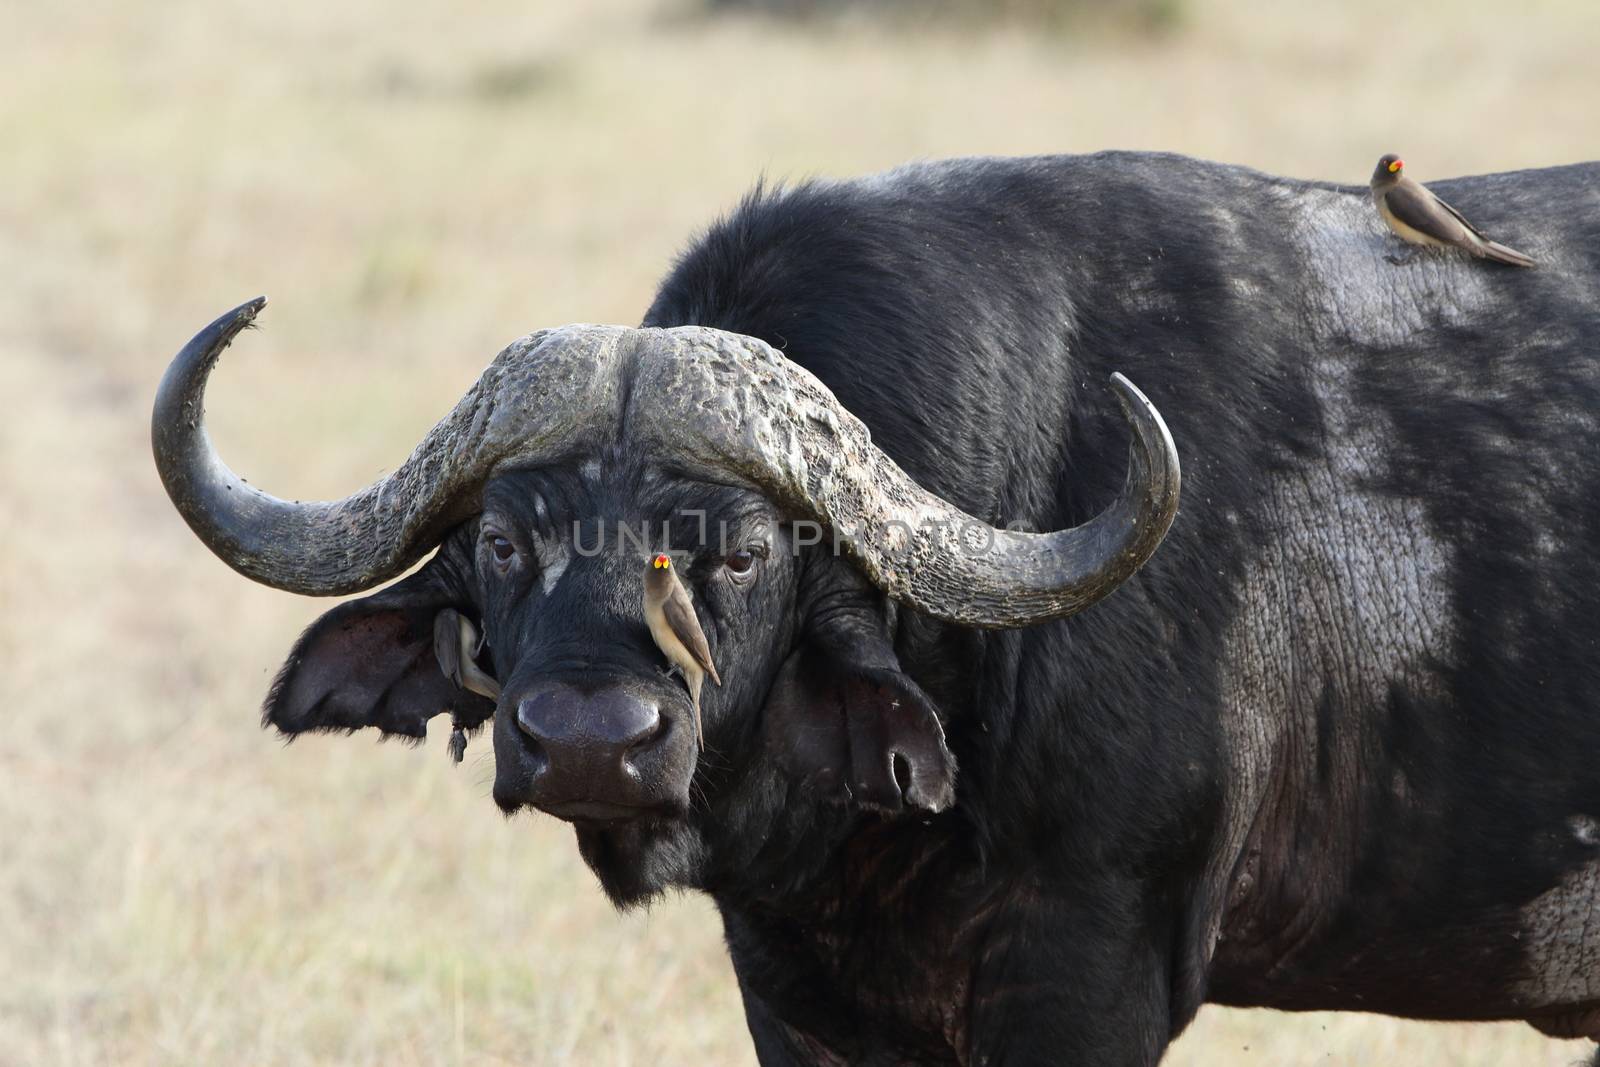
{"points": [[685, 625], [447, 643], [1459, 217], [1427, 214]]}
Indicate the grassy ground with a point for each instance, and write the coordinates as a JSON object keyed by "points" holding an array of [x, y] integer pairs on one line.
{"points": [[415, 185]]}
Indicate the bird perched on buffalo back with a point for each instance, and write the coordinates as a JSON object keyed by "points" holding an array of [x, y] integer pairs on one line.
{"points": [[1421, 218], [673, 624]]}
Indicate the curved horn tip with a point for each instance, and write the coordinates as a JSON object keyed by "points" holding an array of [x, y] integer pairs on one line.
{"points": [[1128, 393], [241, 316], [1154, 463], [245, 314], [228, 325], [1136, 407], [185, 378], [204, 348]]}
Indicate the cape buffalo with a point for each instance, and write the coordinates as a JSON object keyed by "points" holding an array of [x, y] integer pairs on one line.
{"points": [[1333, 745]]}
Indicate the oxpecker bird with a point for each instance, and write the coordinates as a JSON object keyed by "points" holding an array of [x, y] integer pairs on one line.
{"points": [[676, 630], [457, 646], [1420, 218]]}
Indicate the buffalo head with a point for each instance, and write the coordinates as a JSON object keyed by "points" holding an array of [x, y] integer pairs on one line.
{"points": [[578, 453]]}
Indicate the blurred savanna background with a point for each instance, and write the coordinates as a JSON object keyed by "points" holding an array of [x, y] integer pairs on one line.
{"points": [[416, 183]]}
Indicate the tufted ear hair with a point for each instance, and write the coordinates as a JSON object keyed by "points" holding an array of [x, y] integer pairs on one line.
{"points": [[373, 662], [844, 718]]}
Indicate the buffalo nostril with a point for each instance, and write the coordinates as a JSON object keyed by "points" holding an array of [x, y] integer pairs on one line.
{"points": [[532, 738], [538, 759], [651, 729]]}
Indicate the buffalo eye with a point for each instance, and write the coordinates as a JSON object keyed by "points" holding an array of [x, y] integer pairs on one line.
{"points": [[741, 564], [501, 550]]}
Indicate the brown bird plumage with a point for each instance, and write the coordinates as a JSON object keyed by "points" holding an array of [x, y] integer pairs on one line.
{"points": [[456, 645], [675, 628], [1421, 218]]}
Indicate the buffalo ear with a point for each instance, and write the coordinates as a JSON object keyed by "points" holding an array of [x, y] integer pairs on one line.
{"points": [[859, 730], [372, 662]]}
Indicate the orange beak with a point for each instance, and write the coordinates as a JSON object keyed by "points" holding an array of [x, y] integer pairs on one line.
{"points": [[1394, 168], [662, 560]]}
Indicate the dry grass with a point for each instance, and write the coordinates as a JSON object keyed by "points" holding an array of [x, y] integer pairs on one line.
{"points": [[414, 186]]}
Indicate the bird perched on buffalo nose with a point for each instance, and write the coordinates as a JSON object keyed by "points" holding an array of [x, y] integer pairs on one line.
{"points": [[675, 628], [1421, 218]]}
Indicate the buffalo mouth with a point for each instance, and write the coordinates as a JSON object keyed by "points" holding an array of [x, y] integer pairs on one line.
{"points": [[601, 812], [591, 810]]}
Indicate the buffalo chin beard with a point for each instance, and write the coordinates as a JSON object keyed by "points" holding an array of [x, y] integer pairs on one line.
{"points": [[636, 861]]}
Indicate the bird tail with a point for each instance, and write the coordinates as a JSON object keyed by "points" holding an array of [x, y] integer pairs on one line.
{"points": [[1502, 254], [694, 699]]}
